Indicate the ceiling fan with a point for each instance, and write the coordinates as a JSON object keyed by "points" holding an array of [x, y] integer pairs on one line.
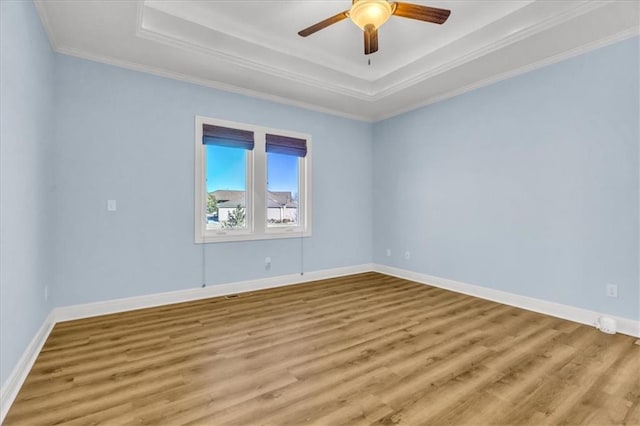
{"points": [[369, 15]]}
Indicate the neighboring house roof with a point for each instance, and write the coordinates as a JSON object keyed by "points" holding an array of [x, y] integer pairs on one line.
{"points": [[275, 199], [280, 199], [229, 199]]}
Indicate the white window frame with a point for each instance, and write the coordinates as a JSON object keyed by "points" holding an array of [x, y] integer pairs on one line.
{"points": [[256, 188]]}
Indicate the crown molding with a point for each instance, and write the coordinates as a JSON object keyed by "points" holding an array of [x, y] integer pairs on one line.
{"points": [[579, 9], [133, 66], [576, 11], [618, 37], [238, 35], [280, 72], [375, 113], [255, 66], [40, 9]]}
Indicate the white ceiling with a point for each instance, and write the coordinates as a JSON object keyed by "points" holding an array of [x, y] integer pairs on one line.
{"points": [[252, 46]]}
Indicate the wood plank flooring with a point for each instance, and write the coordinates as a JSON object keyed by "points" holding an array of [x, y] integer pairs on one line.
{"points": [[364, 349]]}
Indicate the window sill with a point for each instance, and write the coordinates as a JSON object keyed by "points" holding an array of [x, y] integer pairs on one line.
{"points": [[275, 234]]}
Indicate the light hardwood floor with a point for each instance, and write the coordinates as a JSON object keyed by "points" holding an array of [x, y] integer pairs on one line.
{"points": [[363, 349]]}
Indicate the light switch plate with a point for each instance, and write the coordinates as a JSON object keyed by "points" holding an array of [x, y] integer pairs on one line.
{"points": [[612, 290]]}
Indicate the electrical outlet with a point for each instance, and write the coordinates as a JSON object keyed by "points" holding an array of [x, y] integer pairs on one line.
{"points": [[407, 255], [111, 205], [267, 263], [46, 293], [612, 290], [388, 252]]}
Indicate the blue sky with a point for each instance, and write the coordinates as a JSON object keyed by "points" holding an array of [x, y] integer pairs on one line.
{"points": [[226, 170]]}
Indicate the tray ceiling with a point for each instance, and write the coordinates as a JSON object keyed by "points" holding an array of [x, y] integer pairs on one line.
{"points": [[252, 46]]}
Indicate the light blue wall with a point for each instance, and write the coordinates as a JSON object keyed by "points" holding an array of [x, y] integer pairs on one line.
{"points": [[528, 186], [129, 136], [26, 127]]}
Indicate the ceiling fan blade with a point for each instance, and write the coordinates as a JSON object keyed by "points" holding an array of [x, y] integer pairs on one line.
{"points": [[370, 39], [421, 13], [323, 24]]}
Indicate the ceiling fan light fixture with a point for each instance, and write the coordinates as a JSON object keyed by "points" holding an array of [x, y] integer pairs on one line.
{"points": [[369, 15], [370, 12]]}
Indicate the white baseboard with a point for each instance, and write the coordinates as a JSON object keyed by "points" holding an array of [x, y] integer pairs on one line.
{"points": [[67, 313], [14, 382], [571, 313]]}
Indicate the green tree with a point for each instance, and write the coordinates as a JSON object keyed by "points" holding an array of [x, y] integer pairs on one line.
{"points": [[212, 204], [236, 219]]}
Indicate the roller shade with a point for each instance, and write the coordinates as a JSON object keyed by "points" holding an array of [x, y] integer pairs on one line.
{"points": [[226, 136], [286, 145]]}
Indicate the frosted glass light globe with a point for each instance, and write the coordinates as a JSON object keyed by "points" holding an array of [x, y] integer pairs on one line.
{"points": [[370, 12]]}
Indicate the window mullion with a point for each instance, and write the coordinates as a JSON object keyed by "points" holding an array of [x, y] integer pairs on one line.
{"points": [[259, 189]]}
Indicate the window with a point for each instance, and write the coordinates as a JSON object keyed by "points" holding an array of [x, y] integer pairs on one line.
{"points": [[284, 155], [251, 182]]}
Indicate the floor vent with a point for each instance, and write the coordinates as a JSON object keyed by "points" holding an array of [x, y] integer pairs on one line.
{"points": [[231, 296]]}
